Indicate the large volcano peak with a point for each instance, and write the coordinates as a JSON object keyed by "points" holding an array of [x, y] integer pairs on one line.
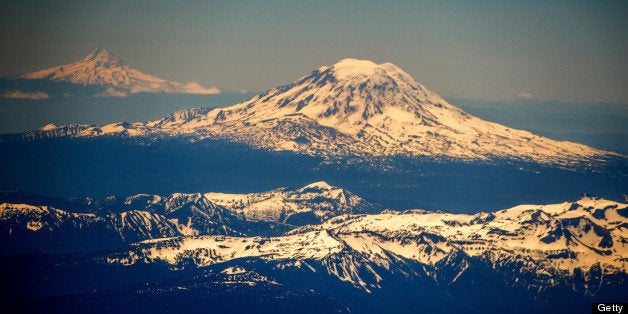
{"points": [[364, 107], [353, 94]]}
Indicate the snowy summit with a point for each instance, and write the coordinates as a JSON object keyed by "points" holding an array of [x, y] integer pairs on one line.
{"points": [[103, 68]]}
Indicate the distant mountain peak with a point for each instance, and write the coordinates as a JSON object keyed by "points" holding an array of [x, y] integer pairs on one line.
{"points": [[103, 68]]}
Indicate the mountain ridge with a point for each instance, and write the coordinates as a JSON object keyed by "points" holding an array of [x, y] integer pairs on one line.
{"points": [[577, 247], [31, 219], [535, 246]]}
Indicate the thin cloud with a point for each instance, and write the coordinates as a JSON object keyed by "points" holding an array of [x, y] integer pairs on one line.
{"points": [[196, 88], [525, 95], [111, 92], [17, 94]]}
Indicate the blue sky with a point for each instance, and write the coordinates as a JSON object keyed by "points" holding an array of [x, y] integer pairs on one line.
{"points": [[560, 50]]}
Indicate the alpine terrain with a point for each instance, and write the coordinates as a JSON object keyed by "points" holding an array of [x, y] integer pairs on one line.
{"points": [[199, 250], [578, 244], [31, 223], [102, 68]]}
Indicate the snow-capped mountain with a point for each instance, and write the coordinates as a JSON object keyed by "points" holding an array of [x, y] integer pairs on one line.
{"points": [[140, 217], [536, 247], [102, 68], [355, 108]]}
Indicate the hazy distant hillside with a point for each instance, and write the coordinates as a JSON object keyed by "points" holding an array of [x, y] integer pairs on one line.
{"points": [[600, 125]]}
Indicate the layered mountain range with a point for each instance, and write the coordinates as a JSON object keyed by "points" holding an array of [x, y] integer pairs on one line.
{"points": [[30, 223], [320, 230], [548, 245], [352, 108], [102, 68]]}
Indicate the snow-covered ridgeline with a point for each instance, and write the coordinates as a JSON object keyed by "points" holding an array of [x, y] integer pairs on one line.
{"points": [[544, 241], [548, 242], [321, 199], [143, 216]]}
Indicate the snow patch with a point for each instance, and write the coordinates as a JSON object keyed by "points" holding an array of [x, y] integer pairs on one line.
{"points": [[34, 225], [48, 127], [234, 270]]}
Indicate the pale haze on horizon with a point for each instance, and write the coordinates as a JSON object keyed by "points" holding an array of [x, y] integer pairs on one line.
{"points": [[571, 51]]}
